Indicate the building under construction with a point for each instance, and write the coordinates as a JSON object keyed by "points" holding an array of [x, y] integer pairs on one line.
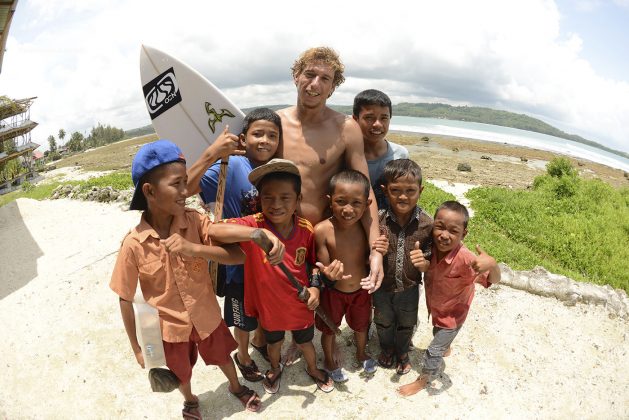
{"points": [[16, 147]]}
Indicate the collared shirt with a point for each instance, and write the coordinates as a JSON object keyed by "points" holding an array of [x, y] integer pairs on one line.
{"points": [[450, 287], [399, 273], [178, 286]]}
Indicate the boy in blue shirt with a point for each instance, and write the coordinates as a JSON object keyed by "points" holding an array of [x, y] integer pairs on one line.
{"points": [[260, 137]]}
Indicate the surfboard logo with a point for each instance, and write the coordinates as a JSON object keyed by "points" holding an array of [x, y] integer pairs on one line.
{"points": [[216, 117], [162, 93]]}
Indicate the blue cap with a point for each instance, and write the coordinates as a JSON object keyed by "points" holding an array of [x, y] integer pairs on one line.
{"points": [[149, 157]]}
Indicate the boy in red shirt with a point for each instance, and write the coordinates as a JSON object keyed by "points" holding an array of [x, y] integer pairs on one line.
{"points": [[269, 296], [449, 283]]}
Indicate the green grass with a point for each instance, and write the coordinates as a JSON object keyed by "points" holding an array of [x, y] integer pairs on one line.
{"points": [[432, 197], [580, 231], [117, 180]]}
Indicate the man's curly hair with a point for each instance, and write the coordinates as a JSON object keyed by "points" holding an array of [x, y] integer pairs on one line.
{"points": [[323, 54]]}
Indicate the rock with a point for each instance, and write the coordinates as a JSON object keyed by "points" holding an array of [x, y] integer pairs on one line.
{"points": [[455, 149], [523, 159], [464, 167], [485, 157], [425, 138], [627, 175], [580, 163]]}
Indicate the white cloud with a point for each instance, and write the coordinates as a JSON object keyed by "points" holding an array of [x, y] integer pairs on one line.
{"points": [[81, 58]]}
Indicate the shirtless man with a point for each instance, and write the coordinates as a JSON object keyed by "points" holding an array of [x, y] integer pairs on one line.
{"points": [[321, 142]]}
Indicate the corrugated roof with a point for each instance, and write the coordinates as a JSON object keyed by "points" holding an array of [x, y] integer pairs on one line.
{"points": [[7, 9]]}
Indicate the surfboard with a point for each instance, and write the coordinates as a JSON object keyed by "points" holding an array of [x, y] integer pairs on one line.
{"points": [[184, 106]]}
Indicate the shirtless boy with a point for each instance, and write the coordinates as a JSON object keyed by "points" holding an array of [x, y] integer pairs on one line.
{"points": [[342, 250], [322, 141]]}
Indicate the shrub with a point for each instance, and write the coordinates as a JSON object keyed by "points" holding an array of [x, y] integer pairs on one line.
{"points": [[560, 167]]}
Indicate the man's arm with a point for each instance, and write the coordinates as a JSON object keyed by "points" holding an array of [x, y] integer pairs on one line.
{"points": [[225, 144], [355, 159]]}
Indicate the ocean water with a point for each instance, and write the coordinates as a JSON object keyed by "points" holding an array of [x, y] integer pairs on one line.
{"points": [[508, 135]]}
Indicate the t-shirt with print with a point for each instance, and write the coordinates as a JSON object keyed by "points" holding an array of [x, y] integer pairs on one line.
{"points": [[269, 295]]}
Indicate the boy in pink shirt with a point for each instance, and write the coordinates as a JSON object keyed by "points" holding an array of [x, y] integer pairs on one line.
{"points": [[449, 284]]}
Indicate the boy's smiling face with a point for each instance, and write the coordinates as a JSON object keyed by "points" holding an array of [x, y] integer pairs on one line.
{"points": [[279, 201], [348, 203], [261, 141], [374, 122], [167, 192], [403, 194], [448, 231]]}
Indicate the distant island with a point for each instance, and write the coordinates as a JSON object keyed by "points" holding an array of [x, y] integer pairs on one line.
{"points": [[460, 113]]}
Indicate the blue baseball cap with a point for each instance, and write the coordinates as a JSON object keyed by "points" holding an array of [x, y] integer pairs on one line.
{"points": [[149, 157]]}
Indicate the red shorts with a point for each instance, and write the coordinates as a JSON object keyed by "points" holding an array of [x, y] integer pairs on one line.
{"points": [[356, 306], [215, 350]]}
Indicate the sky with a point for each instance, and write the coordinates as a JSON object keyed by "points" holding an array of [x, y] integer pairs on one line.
{"points": [[565, 62]]}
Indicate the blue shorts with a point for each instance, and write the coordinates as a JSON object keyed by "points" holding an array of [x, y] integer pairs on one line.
{"points": [[234, 308]]}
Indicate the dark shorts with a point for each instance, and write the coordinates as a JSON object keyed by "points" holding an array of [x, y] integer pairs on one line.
{"points": [[234, 308], [355, 306], [300, 336], [215, 350]]}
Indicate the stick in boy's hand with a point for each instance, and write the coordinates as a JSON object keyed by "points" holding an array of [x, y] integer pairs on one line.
{"points": [[418, 259], [483, 261], [261, 239]]}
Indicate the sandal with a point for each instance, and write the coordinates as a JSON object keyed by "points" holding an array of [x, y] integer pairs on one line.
{"points": [[249, 398], [263, 351], [386, 359], [249, 372], [326, 385], [271, 386], [191, 410], [403, 365]]}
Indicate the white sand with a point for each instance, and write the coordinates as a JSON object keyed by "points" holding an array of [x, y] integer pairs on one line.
{"points": [[65, 353]]}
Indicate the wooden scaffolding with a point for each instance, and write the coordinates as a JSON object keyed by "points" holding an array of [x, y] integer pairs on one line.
{"points": [[16, 147]]}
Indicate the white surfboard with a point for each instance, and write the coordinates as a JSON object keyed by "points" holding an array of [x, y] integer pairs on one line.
{"points": [[184, 106]]}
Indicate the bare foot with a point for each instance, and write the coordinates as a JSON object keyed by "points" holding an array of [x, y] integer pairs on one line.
{"points": [[292, 354], [448, 352], [413, 387]]}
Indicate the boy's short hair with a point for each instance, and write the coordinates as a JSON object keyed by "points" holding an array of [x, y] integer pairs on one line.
{"points": [[325, 54], [146, 163], [371, 97], [349, 176], [397, 168], [265, 114], [456, 207], [276, 169]]}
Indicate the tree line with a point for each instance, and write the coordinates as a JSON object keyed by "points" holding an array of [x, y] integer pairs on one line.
{"points": [[99, 136]]}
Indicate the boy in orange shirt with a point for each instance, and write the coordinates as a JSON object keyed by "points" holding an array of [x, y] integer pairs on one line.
{"points": [[450, 282], [177, 285]]}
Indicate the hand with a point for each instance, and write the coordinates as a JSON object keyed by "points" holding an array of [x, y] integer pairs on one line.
{"points": [[139, 357], [381, 244], [176, 243], [373, 281], [276, 254], [313, 300], [483, 262], [418, 260], [334, 271], [225, 144]]}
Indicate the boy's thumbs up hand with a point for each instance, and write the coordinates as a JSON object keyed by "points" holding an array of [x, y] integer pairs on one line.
{"points": [[483, 261], [418, 260]]}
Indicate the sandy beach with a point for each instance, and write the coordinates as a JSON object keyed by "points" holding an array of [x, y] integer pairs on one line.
{"points": [[66, 355]]}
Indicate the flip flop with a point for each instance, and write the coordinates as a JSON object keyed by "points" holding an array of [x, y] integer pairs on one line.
{"points": [[327, 385], [271, 386], [370, 366], [249, 372], [338, 375], [263, 351], [403, 365], [249, 399], [191, 410], [386, 359]]}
